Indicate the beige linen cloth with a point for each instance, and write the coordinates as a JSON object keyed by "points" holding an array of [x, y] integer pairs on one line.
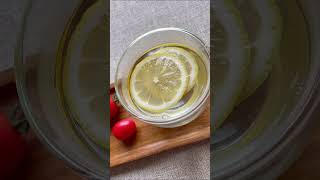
{"points": [[130, 19]]}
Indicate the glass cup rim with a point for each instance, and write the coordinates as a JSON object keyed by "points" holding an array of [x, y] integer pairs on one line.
{"points": [[202, 99]]}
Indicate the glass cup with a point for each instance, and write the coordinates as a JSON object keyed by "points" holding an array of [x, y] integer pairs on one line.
{"points": [[137, 49]]}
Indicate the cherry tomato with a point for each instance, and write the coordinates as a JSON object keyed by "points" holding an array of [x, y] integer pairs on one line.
{"points": [[113, 108], [12, 151], [124, 129]]}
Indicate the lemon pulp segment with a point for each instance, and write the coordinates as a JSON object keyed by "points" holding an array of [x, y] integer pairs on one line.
{"points": [[158, 82], [188, 59]]}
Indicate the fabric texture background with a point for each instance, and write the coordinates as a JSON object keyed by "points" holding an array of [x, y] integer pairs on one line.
{"points": [[10, 20], [130, 19]]}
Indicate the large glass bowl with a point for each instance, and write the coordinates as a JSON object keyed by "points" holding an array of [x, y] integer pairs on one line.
{"points": [[35, 70]]}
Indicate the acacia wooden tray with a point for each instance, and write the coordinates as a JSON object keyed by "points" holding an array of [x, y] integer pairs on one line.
{"points": [[151, 140]]}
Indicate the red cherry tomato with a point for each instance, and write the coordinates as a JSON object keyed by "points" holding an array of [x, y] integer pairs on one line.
{"points": [[124, 129], [113, 108], [12, 151]]}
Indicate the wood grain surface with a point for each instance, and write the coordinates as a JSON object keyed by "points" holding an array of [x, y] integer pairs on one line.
{"points": [[151, 140]]}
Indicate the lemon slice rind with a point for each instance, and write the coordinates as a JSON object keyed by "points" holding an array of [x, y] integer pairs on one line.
{"points": [[266, 45], [180, 91], [225, 95]]}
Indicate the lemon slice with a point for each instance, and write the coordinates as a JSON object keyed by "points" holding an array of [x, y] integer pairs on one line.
{"points": [[85, 72], [231, 60], [158, 82], [188, 59], [263, 20]]}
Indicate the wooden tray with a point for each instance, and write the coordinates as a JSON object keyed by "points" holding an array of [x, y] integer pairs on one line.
{"points": [[152, 140]]}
